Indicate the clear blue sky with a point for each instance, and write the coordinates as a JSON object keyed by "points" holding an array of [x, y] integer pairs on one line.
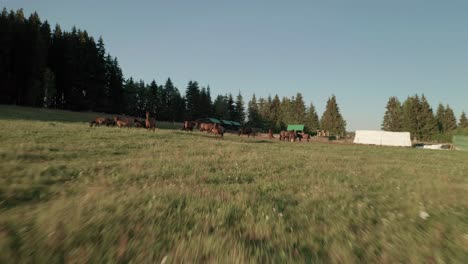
{"points": [[361, 51]]}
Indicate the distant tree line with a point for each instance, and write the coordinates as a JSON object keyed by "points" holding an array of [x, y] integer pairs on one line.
{"points": [[41, 67], [56, 69], [416, 116], [277, 114]]}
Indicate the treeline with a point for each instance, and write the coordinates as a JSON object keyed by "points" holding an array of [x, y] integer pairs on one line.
{"points": [[56, 69], [416, 116], [277, 114], [41, 67]]}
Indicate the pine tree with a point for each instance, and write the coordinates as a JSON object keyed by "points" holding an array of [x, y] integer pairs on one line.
{"points": [[240, 109], [263, 109], [253, 112], [231, 107], [393, 118], [115, 85], [172, 101], [221, 109], [463, 121], [332, 120], [429, 127], [130, 94], [440, 117], [450, 122], [411, 116], [192, 98], [312, 123], [205, 102], [275, 110], [155, 104], [287, 113], [299, 109]]}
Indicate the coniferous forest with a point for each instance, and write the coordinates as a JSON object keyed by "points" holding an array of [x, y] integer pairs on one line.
{"points": [[416, 116], [44, 66]]}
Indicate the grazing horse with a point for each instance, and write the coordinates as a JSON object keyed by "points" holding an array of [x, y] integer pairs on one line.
{"points": [[246, 131], [98, 121], [303, 135], [287, 135], [218, 131], [208, 127], [270, 134], [120, 123], [150, 122]]}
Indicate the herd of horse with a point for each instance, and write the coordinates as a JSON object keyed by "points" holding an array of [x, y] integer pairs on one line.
{"points": [[150, 124]]}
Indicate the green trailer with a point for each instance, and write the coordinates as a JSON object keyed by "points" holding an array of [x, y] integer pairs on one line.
{"points": [[295, 127]]}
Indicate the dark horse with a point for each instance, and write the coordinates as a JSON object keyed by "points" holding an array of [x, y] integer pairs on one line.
{"points": [[247, 131], [188, 126], [218, 131], [150, 123], [140, 123]]}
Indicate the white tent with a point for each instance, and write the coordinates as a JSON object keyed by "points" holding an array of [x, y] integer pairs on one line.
{"points": [[383, 138]]}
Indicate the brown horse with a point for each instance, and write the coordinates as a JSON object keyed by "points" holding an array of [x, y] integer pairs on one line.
{"points": [[218, 131], [150, 122], [98, 121], [208, 127], [247, 131], [303, 135], [270, 134], [120, 123], [287, 135]]}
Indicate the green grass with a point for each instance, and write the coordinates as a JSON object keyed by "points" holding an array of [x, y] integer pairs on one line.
{"points": [[71, 193]]}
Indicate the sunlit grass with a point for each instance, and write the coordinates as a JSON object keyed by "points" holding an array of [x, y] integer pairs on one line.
{"points": [[73, 193]]}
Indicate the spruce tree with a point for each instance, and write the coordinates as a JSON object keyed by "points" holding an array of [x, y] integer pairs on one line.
{"points": [[411, 116], [429, 127], [263, 109], [450, 122], [220, 107], [231, 107], [192, 99], [240, 109], [440, 117], [275, 110], [155, 104], [287, 113], [332, 120], [172, 101], [312, 123], [393, 118], [463, 121], [299, 109], [253, 112]]}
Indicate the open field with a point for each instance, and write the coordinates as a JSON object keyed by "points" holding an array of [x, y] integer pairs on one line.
{"points": [[71, 193]]}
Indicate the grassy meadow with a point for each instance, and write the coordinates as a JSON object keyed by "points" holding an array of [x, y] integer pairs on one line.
{"points": [[78, 194]]}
